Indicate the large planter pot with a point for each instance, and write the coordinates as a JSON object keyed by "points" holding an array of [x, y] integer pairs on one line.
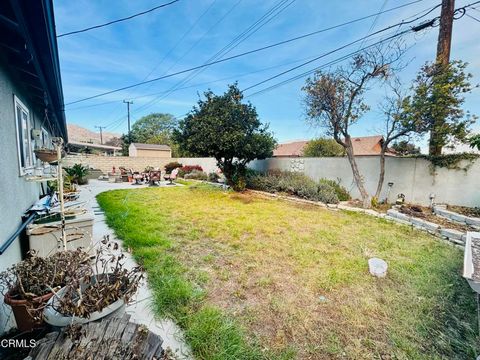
{"points": [[24, 320], [55, 318]]}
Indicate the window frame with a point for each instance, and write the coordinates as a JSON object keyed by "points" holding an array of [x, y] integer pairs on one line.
{"points": [[23, 167]]}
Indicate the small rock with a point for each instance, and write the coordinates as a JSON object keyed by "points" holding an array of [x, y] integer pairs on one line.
{"points": [[377, 267]]}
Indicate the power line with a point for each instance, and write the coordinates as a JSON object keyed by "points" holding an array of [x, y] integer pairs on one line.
{"points": [[274, 11], [422, 26], [242, 54], [118, 20], [473, 17]]}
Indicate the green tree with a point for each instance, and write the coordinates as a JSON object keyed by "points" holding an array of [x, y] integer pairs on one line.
{"points": [[223, 127], [405, 148], [155, 128], [436, 103], [475, 141], [334, 100], [323, 147]]}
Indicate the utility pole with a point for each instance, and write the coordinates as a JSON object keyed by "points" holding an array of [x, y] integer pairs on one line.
{"points": [[443, 58], [101, 137], [128, 116]]}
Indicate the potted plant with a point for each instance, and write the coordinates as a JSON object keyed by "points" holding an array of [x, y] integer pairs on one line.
{"points": [[28, 285], [78, 174], [95, 295]]}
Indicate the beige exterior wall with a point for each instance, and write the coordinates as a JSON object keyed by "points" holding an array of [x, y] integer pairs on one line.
{"points": [[153, 153]]}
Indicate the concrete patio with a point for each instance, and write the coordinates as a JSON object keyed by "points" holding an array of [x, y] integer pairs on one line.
{"points": [[141, 309]]}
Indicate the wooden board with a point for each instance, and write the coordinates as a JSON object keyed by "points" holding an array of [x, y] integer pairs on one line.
{"points": [[112, 338]]}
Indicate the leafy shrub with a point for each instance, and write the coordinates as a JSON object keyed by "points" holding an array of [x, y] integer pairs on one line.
{"points": [[187, 169], [342, 193], [78, 174], [292, 183], [213, 177], [197, 175], [172, 166]]}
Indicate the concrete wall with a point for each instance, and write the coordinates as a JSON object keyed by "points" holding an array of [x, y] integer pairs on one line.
{"points": [[138, 163], [16, 194], [412, 177]]}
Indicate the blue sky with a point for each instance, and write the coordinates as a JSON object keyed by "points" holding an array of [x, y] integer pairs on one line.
{"points": [[178, 37]]}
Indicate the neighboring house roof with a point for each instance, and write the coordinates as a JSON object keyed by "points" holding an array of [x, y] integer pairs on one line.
{"points": [[141, 146], [94, 146], [292, 149], [362, 146], [28, 33]]}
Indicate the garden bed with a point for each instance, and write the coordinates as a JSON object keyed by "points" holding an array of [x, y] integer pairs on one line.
{"points": [[427, 214]]}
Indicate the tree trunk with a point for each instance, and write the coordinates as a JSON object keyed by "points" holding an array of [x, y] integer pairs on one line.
{"points": [[381, 177], [356, 174]]}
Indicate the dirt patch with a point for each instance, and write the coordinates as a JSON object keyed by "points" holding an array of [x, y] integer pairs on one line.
{"points": [[427, 214], [467, 211], [245, 197]]}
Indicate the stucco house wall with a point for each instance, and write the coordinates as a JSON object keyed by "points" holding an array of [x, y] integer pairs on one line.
{"points": [[17, 194]]}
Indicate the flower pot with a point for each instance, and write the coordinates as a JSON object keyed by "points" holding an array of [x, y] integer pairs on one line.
{"points": [[55, 318], [25, 321], [46, 155]]}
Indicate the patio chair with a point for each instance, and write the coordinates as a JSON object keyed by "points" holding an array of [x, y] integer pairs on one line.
{"points": [[154, 177], [137, 177], [171, 177]]}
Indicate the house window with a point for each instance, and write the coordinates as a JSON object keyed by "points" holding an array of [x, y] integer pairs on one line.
{"points": [[24, 139]]}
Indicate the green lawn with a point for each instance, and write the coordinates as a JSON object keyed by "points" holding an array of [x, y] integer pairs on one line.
{"points": [[254, 278]]}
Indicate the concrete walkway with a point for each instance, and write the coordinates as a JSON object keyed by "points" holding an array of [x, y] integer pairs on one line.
{"points": [[141, 307]]}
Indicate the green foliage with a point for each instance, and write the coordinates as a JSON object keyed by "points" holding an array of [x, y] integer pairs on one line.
{"points": [[436, 103], [342, 193], [292, 183], [221, 126], [172, 166], [155, 128], [475, 141], [451, 161], [405, 148], [196, 175], [323, 147], [78, 173]]}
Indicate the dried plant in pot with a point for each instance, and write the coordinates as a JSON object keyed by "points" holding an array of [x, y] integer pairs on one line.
{"points": [[29, 284], [97, 295]]}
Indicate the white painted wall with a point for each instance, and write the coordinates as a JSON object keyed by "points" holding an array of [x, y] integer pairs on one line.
{"points": [[412, 177]]}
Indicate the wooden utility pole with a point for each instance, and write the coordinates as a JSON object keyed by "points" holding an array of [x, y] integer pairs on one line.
{"points": [[128, 116], [443, 58], [101, 137]]}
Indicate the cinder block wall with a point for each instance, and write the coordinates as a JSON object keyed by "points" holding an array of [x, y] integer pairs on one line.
{"points": [[139, 163]]}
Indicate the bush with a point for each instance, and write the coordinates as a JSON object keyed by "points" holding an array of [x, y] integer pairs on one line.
{"points": [[78, 174], [213, 177], [172, 166], [187, 169], [197, 175], [342, 193], [292, 183]]}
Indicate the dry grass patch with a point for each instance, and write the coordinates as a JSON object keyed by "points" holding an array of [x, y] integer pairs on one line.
{"points": [[294, 278]]}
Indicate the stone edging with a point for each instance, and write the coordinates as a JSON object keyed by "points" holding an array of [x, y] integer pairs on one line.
{"points": [[440, 210]]}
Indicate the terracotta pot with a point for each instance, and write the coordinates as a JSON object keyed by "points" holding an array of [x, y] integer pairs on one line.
{"points": [[25, 321]]}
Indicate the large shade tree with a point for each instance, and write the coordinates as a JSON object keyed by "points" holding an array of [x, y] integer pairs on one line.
{"points": [[223, 127], [155, 128]]}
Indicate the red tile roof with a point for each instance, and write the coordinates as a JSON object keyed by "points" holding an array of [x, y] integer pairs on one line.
{"points": [[362, 146]]}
